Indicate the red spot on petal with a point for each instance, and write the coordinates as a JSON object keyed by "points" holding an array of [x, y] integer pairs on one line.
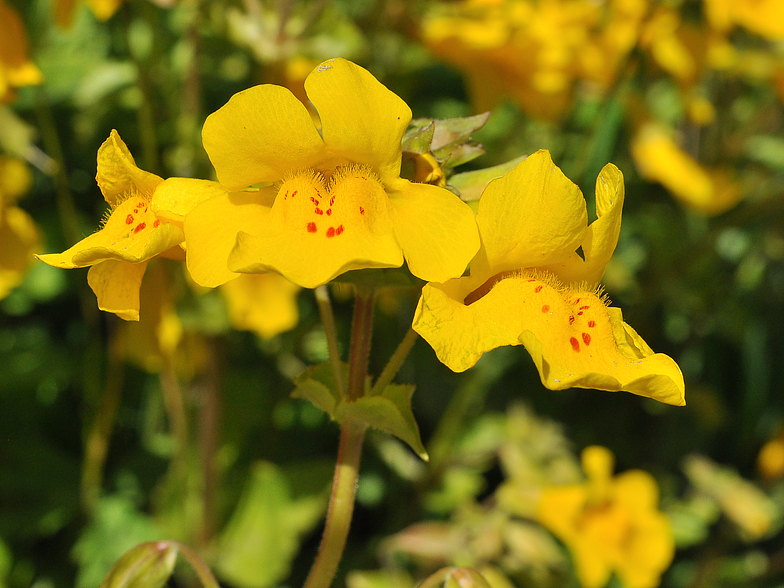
{"points": [[135, 211], [129, 219], [586, 338], [361, 210], [314, 201], [546, 308], [571, 319], [157, 223], [577, 301], [294, 193], [538, 289], [532, 280], [592, 324], [339, 230], [332, 201], [329, 212], [139, 227], [311, 227], [580, 313], [331, 232], [584, 307], [319, 211], [575, 344], [317, 192]]}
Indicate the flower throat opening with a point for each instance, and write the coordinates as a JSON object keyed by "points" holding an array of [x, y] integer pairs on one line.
{"points": [[350, 200]]}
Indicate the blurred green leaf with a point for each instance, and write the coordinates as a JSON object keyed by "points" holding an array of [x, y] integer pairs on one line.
{"points": [[117, 526], [264, 533]]}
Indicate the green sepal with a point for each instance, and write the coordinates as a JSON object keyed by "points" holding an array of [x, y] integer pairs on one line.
{"points": [[470, 185], [148, 565], [419, 139], [389, 411], [317, 385]]}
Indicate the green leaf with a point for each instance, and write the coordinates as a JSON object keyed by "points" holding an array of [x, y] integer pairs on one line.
{"points": [[419, 140], [317, 385], [452, 156], [390, 412], [148, 565], [263, 536], [472, 184], [454, 131]]}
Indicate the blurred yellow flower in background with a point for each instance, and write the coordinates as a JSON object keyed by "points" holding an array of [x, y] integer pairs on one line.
{"points": [[145, 221], [16, 69], [529, 285], [338, 202], [533, 51], [102, 9], [263, 303], [610, 524], [19, 236], [659, 158], [761, 17]]}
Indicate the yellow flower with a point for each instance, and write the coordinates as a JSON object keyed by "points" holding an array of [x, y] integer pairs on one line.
{"points": [[16, 69], [263, 303], [528, 285], [102, 9], [610, 524], [145, 220], [533, 51], [762, 17], [19, 236], [337, 203], [660, 159]]}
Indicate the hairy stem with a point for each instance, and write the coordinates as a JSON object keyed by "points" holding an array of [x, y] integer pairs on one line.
{"points": [[341, 507]]}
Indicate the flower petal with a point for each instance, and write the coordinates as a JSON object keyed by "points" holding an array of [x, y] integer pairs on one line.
{"points": [[132, 233], [533, 216], [19, 237], [436, 230], [263, 303], [211, 231], [176, 197], [118, 174], [259, 135], [602, 235], [116, 285], [573, 338], [361, 119]]}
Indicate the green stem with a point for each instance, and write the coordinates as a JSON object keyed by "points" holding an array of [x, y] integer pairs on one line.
{"points": [[341, 507], [361, 333], [201, 569], [393, 366], [344, 483], [328, 321]]}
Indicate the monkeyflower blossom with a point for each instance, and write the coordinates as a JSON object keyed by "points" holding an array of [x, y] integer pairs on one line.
{"points": [[145, 221], [529, 285], [610, 524], [312, 203]]}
